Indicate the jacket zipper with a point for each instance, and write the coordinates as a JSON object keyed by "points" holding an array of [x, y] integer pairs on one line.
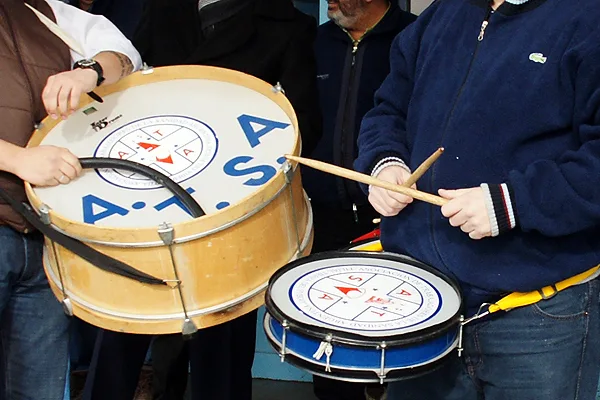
{"points": [[350, 86], [484, 25], [355, 44], [345, 127]]}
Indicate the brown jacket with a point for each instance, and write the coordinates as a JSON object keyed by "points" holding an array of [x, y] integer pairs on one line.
{"points": [[29, 54]]}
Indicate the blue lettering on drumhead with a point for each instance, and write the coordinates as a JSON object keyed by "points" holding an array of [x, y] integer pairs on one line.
{"points": [[247, 121], [174, 200], [138, 205], [266, 171], [90, 217], [223, 205]]}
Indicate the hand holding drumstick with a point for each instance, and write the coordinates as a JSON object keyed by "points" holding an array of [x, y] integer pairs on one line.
{"points": [[389, 203], [386, 202], [369, 180]]}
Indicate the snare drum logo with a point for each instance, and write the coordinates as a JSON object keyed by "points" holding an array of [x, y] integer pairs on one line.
{"points": [[362, 297], [179, 147]]}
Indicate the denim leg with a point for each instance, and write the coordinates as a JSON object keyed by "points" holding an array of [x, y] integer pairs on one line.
{"points": [[450, 382], [545, 351], [34, 329], [549, 350]]}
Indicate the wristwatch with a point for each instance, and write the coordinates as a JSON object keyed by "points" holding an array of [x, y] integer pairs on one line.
{"points": [[91, 64]]}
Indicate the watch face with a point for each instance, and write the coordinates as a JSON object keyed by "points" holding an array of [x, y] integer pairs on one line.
{"points": [[86, 63]]}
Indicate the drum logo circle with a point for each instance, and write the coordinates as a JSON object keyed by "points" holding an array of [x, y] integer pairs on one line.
{"points": [[178, 146], [365, 297]]}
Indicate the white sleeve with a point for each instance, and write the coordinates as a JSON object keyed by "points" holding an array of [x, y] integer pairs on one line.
{"points": [[93, 33]]}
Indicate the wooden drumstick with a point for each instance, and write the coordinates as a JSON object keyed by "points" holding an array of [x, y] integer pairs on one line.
{"points": [[60, 33], [368, 180], [423, 168]]}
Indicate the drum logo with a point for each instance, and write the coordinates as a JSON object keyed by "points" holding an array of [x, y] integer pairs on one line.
{"points": [[104, 122], [363, 297], [178, 146]]}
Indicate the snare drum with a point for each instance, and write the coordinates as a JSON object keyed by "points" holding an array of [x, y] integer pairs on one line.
{"points": [[362, 316], [221, 135]]}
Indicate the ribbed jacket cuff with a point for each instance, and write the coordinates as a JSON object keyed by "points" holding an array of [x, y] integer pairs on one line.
{"points": [[499, 201], [388, 162]]}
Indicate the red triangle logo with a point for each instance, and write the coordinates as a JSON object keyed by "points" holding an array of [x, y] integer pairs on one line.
{"points": [[148, 146], [347, 290], [168, 159]]}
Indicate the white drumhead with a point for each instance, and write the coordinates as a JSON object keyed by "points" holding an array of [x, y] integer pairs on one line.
{"points": [[368, 296], [218, 140]]}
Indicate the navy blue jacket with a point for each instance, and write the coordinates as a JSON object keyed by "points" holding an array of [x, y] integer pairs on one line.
{"points": [[521, 107], [346, 94]]}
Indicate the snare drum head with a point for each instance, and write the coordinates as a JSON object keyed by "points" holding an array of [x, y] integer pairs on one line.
{"points": [[220, 139], [366, 295]]}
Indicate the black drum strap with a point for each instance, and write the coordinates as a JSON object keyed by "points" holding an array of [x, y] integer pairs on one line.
{"points": [[88, 253], [84, 251]]}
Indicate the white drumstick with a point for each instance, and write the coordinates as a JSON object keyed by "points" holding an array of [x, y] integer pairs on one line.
{"points": [[61, 34]]}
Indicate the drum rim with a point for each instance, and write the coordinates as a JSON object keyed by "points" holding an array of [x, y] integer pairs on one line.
{"points": [[339, 336]]}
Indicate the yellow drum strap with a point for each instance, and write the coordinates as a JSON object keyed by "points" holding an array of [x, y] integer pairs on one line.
{"points": [[518, 299]]}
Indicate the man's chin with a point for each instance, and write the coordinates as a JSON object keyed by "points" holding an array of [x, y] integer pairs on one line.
{"points": [[335, 15], [339, 19]]}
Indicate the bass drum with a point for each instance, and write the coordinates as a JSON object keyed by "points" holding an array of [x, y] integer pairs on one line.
{"points": [[221, 135]]}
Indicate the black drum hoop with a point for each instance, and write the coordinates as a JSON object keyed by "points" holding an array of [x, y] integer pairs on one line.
{"points": [[337, 336]]}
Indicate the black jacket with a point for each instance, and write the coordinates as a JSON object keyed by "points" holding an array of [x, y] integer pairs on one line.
{"points": [[125, 14], [347, 82], [273, 42]]}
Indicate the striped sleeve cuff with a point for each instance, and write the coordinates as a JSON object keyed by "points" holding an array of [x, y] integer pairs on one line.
{"points": [[388, 162], [499, 201]]}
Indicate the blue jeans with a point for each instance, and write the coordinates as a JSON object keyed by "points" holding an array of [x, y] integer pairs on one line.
{"points": [[549, 350], [33, 328]]}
